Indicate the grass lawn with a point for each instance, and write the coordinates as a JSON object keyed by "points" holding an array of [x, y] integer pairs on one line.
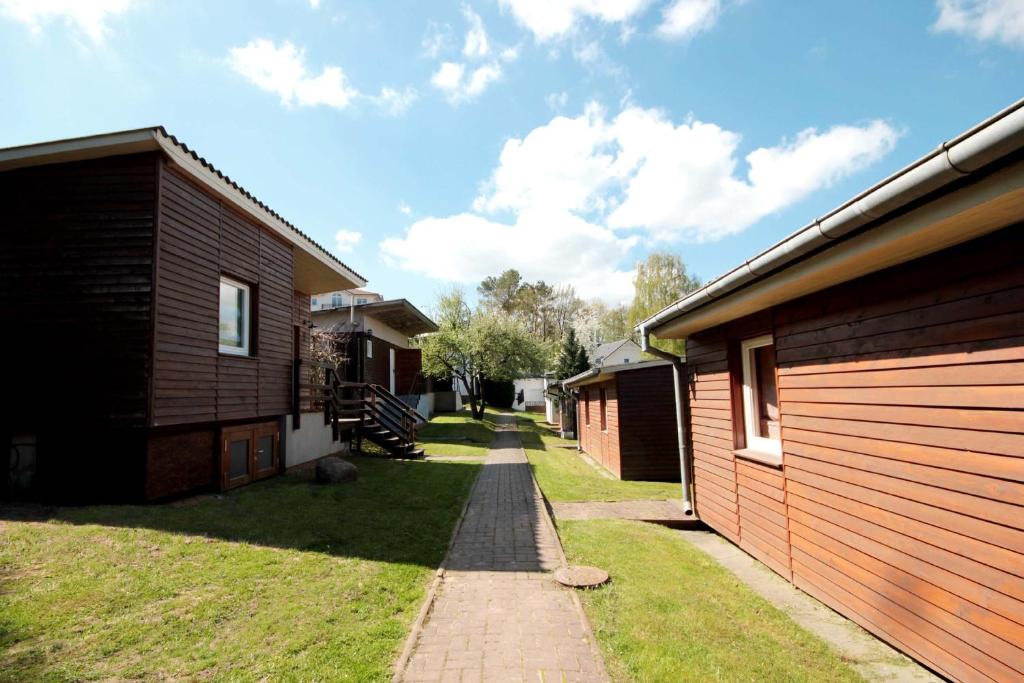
{"points": [[564, 476], [673, 614], [281, 580], [457, 434]]}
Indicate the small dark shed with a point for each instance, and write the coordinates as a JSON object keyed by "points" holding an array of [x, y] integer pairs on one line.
{"points": [[621, 416]]}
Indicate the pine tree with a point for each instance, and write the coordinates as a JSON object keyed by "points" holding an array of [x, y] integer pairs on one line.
{"points": [[572, 360]]}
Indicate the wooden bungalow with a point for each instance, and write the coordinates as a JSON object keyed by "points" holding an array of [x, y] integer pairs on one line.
{"points": [[856, 405], [376, 336], [154, 315], [621, 410]]}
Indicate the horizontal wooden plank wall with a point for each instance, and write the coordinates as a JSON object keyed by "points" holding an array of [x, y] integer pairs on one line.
{"points": [[711, 432], [76, 276], [76, 261], [199, 240], [602, 446], [901, 398], [745, 497], [646, 406]]}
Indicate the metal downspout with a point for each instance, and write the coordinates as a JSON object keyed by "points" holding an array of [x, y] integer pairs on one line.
{"points": [[682, 416]]}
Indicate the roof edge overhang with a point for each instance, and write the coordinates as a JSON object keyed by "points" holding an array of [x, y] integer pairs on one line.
{"points": [[315, 268], [960, 198], [602, 373]]}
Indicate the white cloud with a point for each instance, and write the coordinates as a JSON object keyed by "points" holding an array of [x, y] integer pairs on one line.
{"points": [[395, 102], [1001, 20], [346, 240], [553, 19], [460, 84], [462, 81], [448, 76], [642, 171], [557, 100], [89, 16], [553, 246], [404, 209], [436, 39], [476, 45], [282, 70], [582, 191], [684, 19], [315, 4]]}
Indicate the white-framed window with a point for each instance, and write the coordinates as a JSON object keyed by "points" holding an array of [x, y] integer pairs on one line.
{"points": [[337, 300], [369, 348], [360, 301], [235, 317], [761, 396]]}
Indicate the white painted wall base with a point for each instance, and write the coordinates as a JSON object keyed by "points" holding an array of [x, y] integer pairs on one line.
{"points": [[311, 441]]}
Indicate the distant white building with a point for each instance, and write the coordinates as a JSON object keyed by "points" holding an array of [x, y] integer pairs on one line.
{"points": [[616, 353], [326, 301]]}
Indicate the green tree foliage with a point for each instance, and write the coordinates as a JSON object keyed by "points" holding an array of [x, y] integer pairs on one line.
{"points": [[572, 360], [475, 346], [501, 293], [661, 279]]}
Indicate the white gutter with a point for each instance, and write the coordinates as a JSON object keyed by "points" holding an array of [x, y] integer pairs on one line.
{"points": [[965, 154]]}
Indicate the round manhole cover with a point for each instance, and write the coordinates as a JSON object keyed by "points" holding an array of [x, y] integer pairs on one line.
{"points": [[581, 577]]}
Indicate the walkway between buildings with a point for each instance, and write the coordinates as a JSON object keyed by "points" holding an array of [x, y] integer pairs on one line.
{"points": [[497, 614]]}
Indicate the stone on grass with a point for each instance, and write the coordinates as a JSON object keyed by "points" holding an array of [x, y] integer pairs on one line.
{"points": [[333, 470]]}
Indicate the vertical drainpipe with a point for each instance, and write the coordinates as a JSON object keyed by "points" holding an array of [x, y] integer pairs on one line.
{"points": [[682, 416]]}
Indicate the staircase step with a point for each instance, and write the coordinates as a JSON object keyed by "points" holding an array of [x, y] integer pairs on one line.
{"points": [[415, 453]]}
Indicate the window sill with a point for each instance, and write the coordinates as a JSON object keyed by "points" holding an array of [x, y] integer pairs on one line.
{"points": [[770, 459]]}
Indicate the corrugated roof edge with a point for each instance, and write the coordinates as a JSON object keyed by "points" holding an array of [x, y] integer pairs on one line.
{"points": [[248, 195], [970, 151], [598, 372]]}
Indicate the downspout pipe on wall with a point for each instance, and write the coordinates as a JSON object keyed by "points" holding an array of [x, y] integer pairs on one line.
{"points": [[682, 416]]}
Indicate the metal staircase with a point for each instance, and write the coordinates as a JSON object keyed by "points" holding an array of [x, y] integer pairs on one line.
{"points": [[370, 411]]}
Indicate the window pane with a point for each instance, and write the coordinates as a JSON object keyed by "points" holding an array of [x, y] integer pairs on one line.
{"points": [[239, 452], [265, 452], [232, 310], [766, 398]]}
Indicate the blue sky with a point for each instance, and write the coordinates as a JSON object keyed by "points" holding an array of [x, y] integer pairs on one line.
{"points": [[431, 144]]}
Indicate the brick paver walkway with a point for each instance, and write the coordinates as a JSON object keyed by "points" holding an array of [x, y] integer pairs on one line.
{"points": [[498, 614]]}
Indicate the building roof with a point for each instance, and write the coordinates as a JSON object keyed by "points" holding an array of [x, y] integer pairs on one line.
{"points": [[600, 374], [968, 186], [319, 269], [398, 314], [608, 348]]}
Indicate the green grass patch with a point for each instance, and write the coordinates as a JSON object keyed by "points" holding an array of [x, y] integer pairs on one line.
{"points": [[564, 476], [457, 434], [671, 613], [281, 580]]}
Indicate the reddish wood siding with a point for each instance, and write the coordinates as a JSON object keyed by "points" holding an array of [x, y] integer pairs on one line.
{"points": [[901, 397], [199, 240], [76, 262], [647, 424], [601, 445]]}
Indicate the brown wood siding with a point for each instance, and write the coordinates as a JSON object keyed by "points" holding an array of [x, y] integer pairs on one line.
{"points": [[408, 374], [647, 424], [76, 274], [902, 491], [201, 239], [601, 445], [711, 433]]}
